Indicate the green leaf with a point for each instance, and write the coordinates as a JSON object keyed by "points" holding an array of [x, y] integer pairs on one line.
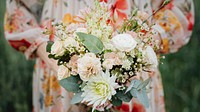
{"points": [[142, 97], [91, 42], [134, 92], [126, 97], [145, 6], [51, 56], [66, 4], [116, 101], [77, 98], [144, 84], [134, 84], [71, 84], [48, 47], [134, 12]]}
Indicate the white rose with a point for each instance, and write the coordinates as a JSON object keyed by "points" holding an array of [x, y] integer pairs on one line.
{"points": [[151, 57], [63, 72], [124, 42], [57, 48], [70, 42]]}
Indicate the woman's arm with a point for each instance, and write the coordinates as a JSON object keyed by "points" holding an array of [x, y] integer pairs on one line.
{"points": [[174, 23], [24, 33], [21, 28]]}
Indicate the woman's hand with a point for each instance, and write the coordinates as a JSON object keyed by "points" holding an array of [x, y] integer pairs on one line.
{"points": [[41, 52]]}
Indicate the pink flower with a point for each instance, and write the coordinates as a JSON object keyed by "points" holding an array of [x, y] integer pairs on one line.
{"points": [[73, 64], [113, 56]]}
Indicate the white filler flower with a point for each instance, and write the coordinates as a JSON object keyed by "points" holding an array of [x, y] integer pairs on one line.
{"points": [[99, 89], [124, 42]]}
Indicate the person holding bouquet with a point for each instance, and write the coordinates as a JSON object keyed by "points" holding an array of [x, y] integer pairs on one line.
{"points": [[27, 20]]}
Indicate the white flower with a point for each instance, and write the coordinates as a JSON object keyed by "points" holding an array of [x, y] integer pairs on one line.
{"points": [[73, 64], [61, 34], [88, 65], [83, 30], [108, 64], [63, 72], [97, 33], [57, 48], [99, 89], [126, 64], [151, 57], [70, 42], [124, 42]]}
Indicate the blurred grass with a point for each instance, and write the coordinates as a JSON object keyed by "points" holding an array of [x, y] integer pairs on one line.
{"points": [[15, 76], [180, 74]]}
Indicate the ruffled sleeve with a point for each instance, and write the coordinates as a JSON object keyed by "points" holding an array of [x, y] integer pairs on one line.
{"points": [[174, 23], [21, 28]]}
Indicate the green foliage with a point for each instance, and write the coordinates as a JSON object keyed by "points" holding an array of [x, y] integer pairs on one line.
{"points": [[124, 96], [91, 42], [71, 84], [77, 98], [138, 90], [116, 101], [48, 48]]}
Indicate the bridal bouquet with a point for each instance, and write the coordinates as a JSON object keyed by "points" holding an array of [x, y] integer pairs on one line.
{"points": [[101, 57]]}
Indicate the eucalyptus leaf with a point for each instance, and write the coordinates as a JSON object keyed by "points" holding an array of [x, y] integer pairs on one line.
{"points": [[71, 84], [126, 97], [142, 97], [91, 42], [77, 98], [133, 92], [144, 84], [134, 84], [116, 101], [48, 47]]}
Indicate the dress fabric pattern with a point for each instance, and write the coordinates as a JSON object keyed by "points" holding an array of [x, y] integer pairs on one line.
{"points": [[25, 20]]}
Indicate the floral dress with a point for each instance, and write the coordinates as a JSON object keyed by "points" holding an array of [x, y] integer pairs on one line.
{"points": [[26, 19]]}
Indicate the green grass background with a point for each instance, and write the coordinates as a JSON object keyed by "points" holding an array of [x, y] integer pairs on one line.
{"points": [[180, 74]]}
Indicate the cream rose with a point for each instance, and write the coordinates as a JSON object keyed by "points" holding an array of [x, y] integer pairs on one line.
{"points": [[57, 48], [63, 72], [88, 65], [70, 42], [151, 57], [124, 42]]}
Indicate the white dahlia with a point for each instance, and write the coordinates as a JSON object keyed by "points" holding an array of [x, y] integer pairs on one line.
{"points": [[99, 89]]}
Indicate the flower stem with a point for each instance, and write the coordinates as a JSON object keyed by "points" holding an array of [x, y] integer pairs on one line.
{"points": [[164, 4]]}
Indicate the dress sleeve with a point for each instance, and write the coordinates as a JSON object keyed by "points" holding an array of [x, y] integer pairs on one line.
{"points": [[21, 28], [174, 23]]}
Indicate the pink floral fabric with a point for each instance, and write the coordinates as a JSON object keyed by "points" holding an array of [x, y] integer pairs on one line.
{"points": [[26, 19]]}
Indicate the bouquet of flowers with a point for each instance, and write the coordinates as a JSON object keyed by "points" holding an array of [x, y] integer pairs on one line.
{"points": [[101, 57]]}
